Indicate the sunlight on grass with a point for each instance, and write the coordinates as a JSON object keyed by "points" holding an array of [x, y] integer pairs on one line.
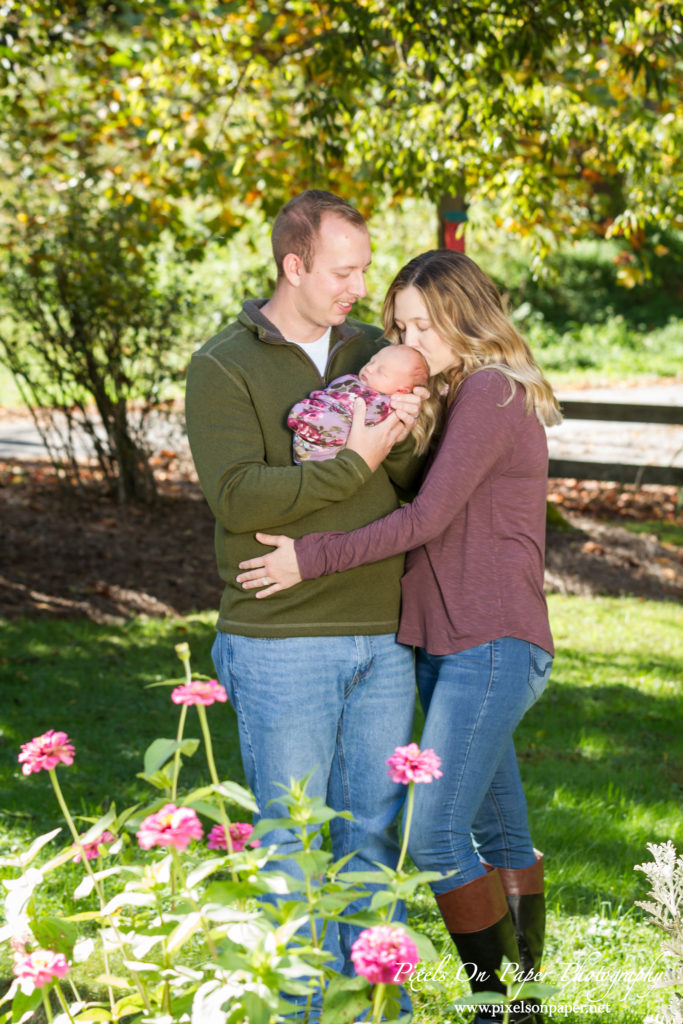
{"points": [[665, 532], [601, 963]]}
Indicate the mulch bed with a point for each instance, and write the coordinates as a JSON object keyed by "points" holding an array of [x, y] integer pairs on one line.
{"points": [[65, 555]]}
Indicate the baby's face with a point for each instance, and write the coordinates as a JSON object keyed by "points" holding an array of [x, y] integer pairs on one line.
{"points": [[389, 371]]}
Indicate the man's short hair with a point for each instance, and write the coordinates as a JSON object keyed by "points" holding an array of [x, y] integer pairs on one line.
{"points": [[297, 225]]}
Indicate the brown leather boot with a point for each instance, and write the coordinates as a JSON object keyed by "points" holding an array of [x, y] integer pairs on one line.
{"points": [[524, 891], [479, 921]]}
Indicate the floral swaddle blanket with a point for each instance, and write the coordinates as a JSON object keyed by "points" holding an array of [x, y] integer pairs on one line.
{"points": [[321, 422]]}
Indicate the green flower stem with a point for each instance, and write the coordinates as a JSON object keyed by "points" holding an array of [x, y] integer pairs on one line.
{"points": [[46, 1003], [183, 652], [176, 758], [225, 820], [378, 1002], [62, 1000], [306, 844], [86, 864], [110, 990], [74, 832], [76, 993], [205, 924], [410, 803]]}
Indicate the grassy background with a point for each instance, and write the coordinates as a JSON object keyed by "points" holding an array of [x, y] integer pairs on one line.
{"points": [[600, 756]]}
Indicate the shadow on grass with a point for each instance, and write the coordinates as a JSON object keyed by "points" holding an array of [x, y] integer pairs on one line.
{"points": [[603, 773]]}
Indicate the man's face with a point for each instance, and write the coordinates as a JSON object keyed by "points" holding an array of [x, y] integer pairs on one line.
{"points": [[326, 293]]}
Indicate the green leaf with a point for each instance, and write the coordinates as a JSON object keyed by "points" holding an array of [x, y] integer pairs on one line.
{"points": [[380, 899], [36, 846], [312, 862], [258, 1010], [345, 999], [237, 794], [22, 1004], [160, 780], [203, 870], [121, 59], [101, 825], [205, 808], [227, 893], [162, 750], [368, 877], [56, 934], [536, 990], [424, 944], [84, 915], [482, 999], [188, 926]]}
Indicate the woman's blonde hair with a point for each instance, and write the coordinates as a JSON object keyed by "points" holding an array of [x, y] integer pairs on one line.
{"points": [[466, 312]]}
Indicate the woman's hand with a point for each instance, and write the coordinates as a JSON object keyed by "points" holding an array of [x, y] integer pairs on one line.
{"points": [[373, 443], [407, 406], [276, 570]]}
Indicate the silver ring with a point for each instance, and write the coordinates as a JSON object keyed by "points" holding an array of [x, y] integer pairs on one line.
{"points": [[265, 581]]}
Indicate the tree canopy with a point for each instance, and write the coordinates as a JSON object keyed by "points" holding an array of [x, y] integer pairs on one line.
{"points": [[137, 132], [566, 117]]}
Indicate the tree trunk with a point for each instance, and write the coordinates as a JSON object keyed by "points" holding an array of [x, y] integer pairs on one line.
{"points": [[452, 219]]}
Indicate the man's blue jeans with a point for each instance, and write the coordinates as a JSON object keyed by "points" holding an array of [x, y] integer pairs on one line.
{"points": [[473, 701], [333, 705]]}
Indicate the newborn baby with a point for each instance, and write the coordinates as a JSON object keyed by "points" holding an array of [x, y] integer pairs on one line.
{"points": [[321, 422]]}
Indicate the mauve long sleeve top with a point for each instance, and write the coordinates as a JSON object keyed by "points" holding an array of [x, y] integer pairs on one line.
{"points": [[475, 533]]}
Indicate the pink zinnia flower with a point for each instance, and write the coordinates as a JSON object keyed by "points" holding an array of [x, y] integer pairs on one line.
{"points": [[239, 836], [95, 848], [382, 952], [38, 968], [198, 692], [46, 751], [410, 764], [171, 826]]}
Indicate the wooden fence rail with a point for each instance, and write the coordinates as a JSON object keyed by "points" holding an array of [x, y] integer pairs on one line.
{"points": [[620, 412]]}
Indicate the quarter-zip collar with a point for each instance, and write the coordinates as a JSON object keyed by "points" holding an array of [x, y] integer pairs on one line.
{"points": [[267, 332]]}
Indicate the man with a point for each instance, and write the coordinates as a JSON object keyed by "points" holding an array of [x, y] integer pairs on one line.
{"points": [[317, 680]]}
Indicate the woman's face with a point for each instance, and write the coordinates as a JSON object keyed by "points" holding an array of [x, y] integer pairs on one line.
{"points": [[416, 330]]}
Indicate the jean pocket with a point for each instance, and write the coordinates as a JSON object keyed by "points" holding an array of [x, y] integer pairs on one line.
{"points": [[540, 664]]}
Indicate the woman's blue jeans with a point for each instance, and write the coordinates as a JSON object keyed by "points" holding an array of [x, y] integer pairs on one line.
{"points": [[473, 701], [334, 706]]}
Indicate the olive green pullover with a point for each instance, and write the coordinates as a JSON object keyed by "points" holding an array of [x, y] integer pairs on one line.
{"points": [[240, 387]]}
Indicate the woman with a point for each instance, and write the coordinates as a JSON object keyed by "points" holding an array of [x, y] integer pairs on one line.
{"points": [[473, 602]]}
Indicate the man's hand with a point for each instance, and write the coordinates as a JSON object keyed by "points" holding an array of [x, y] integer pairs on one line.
{"points": [[373, 443], [277, 570]]}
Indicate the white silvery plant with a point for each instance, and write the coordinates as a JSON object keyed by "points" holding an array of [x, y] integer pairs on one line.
{"points": [[665, 908]]}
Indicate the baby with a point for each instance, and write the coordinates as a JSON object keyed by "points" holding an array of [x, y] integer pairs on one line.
{"points": [[321, 422]]}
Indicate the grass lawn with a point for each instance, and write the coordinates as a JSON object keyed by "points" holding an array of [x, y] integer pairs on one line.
{"points": [[600, 756]]}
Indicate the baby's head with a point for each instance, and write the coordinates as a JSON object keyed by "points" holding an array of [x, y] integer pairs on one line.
{"points": [[395, 368]]}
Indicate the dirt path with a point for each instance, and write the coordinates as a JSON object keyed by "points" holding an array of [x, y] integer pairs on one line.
{"points": [[65, 556]]}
